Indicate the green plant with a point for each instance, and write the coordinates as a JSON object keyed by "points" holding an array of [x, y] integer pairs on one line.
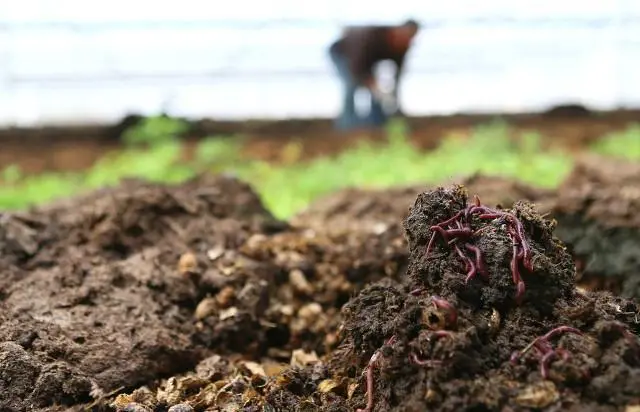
{"points": [[155, 130], [11, 174], [160, 162], [218, 153], [488, 150], [289, 187], [623, 144]]}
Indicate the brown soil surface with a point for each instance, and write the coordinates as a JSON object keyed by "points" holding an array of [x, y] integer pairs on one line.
{"points": [[76, 148], [374, 210], [596, 206], [92, 299], [126, 287], [597, 210]]}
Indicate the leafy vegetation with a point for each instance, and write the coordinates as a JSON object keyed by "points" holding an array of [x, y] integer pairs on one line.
{"points": [[155, 153], [624, 144]]}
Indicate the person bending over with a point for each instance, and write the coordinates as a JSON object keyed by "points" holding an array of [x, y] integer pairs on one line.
{"points": [[355, 55]]}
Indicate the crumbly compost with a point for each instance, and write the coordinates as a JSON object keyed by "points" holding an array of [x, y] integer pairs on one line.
{"points": [[193, 297], [124, 287], [597, 211], [442, 343]]}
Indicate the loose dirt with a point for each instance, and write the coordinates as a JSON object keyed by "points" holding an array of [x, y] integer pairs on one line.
{"points": [[597, 211], [92, 296], [147, 297]]}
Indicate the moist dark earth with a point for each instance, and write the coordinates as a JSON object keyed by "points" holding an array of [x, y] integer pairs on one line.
{"points": [[597, 211], [149, 297]]}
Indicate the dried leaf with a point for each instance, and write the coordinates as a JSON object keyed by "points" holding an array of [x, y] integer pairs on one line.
{"points": [[287, 310], [121, 401], [187, 264], [228, 402], [283, 379], [175, 389], [538, 395], [431, 396], [228, 313], [135, 407], [207, 396], [300, 358], [207, 307], [215, 253], [170, 393], [273, 368], [249, 395], [494, 321], [300, 283], [254, 368], [225, 297], [433, 318], [351, 389], [327, 385]]}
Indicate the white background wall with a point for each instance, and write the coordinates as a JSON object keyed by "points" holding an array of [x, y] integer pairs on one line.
{"points": [[79, 61]]}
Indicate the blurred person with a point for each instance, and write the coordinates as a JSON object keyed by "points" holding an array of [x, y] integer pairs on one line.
{"points": [[355, 55]]}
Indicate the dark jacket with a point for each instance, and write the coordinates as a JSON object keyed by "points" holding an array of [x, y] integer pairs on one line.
{"points": [[365, 46]]}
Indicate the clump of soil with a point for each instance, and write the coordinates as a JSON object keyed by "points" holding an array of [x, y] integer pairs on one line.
{"points": [[493, 245], [441, 343], [597, 212]]}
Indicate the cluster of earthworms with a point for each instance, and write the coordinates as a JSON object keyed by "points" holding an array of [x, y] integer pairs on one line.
{"points": [[457, 232], [545, 351]]}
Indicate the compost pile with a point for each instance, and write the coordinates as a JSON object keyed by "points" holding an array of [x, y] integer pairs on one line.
{"points": [[126, 286], [148, 297], [597, 212], [489, 319]]}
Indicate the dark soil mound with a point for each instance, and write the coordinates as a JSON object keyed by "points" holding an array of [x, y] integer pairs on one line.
{"points": [[92, 296], [517, 336], [597, 212], [128, 285]]}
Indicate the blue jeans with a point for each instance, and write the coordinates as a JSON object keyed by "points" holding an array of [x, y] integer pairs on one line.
{"points": [[348, 118]]}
